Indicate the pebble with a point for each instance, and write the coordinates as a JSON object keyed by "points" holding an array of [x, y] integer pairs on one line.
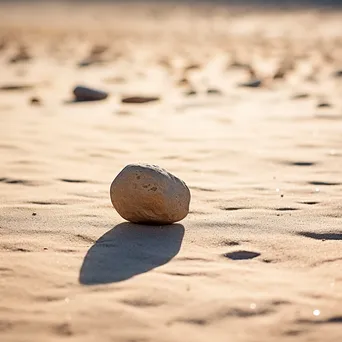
{"points": [[238, 65], [300, 96], [251, 84], [35, 101], [88, 61], [214, 91], [324, 105], [14, 87], [191, 92], [279, 74], [183, 82], [192, 67], [139, 99], [88, 94], [148, 194]]}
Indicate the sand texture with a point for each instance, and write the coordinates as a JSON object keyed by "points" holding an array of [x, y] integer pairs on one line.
{"points": [[245, 107]]}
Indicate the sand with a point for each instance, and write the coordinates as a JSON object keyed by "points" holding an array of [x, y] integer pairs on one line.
{"points": [[259, 256]]}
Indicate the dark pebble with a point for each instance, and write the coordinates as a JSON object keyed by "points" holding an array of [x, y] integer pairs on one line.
{"points": [[324, 105], [251, 84], [14, 87], [88, 94], [213, 91], [139, 99], [191, 93], [35, 101]]}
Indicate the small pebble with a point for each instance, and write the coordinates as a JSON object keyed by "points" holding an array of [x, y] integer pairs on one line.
{"points": [[148, 194], [238, 65], [324, 105], [192, 67], [14, 87], [87, 62], [300, 96], [279, 74], [34, 214], [251, 84], [88, 94], [183, 82], [97, 50], [35, 101], [191, 92], [139, 99], [214, 91]]}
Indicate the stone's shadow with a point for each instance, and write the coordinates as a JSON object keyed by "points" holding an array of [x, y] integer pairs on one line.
{"points": [[322, 236], [128, 250]]}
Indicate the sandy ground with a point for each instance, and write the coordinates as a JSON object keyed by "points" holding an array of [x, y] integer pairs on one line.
{"points": [[259, 257]]}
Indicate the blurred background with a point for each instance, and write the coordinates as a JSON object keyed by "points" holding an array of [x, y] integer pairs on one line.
{"points": [[273, 3]]}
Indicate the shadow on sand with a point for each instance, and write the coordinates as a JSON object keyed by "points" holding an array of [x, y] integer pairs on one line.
{"points": [[128, 250]]}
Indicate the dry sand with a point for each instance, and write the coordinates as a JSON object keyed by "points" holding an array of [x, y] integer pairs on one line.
{"points": [[258, 258]]}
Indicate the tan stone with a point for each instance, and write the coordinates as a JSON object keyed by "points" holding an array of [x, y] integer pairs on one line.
{"points": [[147, 194]]}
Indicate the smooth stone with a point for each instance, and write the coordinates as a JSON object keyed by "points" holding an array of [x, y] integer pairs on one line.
{"points": [[88, 94], [148, 194]]}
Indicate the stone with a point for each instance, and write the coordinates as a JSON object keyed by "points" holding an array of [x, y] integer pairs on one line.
{"points": [[191, 92], [300, 96], [14, 87], [89, 94], [139, 99], [324, 104], [148, 194], [214, 91], [251, 84], [35, 101]]}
